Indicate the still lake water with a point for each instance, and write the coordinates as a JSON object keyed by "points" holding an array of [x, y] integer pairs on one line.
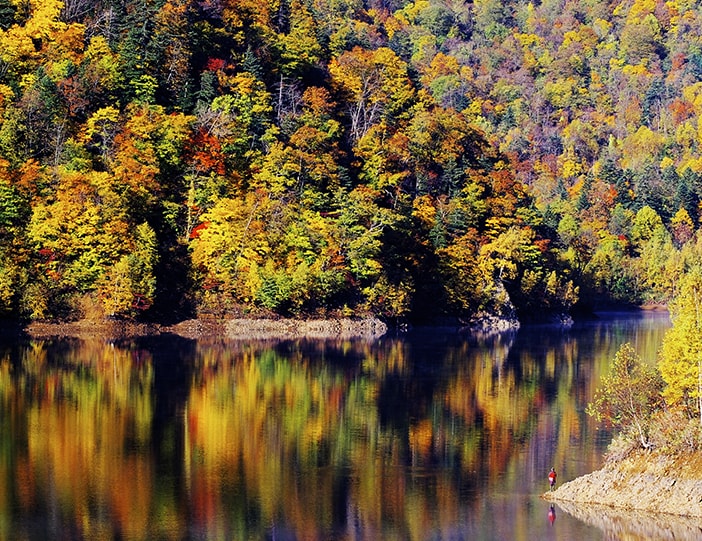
{"points": [[426, 436]]}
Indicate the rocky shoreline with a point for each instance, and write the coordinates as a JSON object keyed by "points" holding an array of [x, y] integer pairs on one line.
{"points": [[647, 481], [228, 329], [254, 328]]}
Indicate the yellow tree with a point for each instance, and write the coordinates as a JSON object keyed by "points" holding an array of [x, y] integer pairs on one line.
{"points": [[22, 43], [628, 395], [299, 47], [144, 154], [680, 361], [377, 85], [80, 231], [505, 253], [130, 285], [641, 34], [682, 227], [230, 245]]}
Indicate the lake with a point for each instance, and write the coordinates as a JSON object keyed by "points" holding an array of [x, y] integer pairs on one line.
{"points": [[426, 435]]}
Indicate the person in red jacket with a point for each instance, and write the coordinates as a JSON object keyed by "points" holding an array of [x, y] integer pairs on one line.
{"points": [[552, 478]]}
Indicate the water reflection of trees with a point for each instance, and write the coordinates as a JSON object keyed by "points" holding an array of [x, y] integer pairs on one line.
{"points": [[402, 427], [79, 414], [323, 439]]}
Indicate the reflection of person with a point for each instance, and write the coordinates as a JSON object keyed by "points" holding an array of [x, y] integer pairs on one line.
{"points": [[551, 514], [552, 478]]}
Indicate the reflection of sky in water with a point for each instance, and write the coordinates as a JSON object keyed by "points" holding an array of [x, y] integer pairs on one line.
{"points": [[427, 436]]}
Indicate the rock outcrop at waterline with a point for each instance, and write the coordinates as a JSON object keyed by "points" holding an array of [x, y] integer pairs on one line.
{"points": [[645, 481]]}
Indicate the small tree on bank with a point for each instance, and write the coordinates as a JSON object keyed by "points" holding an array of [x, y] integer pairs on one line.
{"points": [[629, 395]]}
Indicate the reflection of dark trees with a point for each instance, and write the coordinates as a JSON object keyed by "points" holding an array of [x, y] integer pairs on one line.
{"points": [[341, 496], [172, 365], [533, 345]]}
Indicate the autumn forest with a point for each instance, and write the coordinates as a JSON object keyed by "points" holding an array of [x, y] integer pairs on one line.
{"points": [[408, 160]]}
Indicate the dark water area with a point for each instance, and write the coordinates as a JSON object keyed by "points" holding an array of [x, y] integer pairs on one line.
{"points": [[428, 435]]}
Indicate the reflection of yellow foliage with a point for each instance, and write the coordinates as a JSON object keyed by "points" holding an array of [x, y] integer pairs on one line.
{"points": [[77, 433], [421, 436]]}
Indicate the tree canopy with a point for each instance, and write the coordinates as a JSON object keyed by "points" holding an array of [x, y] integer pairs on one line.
{"points": [[160, 158]]}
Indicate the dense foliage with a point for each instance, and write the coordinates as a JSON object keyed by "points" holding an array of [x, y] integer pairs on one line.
{"points": [[399, 158]]}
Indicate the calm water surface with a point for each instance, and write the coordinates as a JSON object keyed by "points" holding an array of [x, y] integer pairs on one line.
{"points": [[426, 436]]}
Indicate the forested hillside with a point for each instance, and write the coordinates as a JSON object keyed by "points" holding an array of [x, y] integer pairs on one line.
{"points": [[164, 158]]}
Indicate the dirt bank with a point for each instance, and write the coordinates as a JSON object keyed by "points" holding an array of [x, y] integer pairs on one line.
{"points": [[231, 329], [644, 481]]}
